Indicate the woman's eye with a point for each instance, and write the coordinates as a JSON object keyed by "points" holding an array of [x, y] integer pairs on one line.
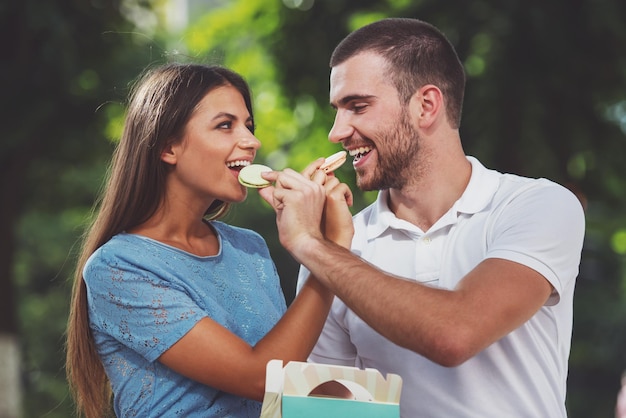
{"points": [[225, 125]]}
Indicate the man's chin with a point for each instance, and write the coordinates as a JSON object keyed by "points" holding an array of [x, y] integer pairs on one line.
{"points": [[366, 185]]}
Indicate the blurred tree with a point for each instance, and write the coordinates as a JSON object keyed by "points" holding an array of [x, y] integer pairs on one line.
{"points": [[64, 72]]}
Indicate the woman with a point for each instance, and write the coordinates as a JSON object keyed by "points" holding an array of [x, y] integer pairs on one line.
{"points": [[173, 312]]}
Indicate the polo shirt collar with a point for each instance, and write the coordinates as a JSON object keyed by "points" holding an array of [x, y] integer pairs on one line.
{"points": [[477, 195]]}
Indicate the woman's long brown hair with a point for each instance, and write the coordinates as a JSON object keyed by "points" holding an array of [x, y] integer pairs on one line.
{"points": [[161, 103]]}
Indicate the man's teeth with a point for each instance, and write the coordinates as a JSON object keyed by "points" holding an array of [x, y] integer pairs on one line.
{"points": [[238, 163], [360, 151]]}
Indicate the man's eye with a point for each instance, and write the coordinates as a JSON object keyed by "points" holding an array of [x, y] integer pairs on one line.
{"points": [[357, 108]]}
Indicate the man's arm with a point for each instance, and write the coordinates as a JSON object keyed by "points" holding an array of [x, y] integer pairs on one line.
{"points": [[446, 326], [449, 326]]}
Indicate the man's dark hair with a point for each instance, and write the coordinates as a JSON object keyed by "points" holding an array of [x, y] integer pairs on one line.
{"points": [[417, 54]]}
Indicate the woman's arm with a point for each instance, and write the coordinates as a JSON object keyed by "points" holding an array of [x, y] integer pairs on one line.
{"points": [[212, 355]]}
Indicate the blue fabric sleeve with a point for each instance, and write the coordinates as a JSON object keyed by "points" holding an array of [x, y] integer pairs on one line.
{"points": [[143, 311]]}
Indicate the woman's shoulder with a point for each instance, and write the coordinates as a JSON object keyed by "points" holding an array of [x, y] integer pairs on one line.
{"points": [[233, 231], [125, 248], [122, 242], [241, 239]]}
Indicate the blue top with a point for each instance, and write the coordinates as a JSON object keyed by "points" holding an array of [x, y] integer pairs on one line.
{"points": [[144, 295]]}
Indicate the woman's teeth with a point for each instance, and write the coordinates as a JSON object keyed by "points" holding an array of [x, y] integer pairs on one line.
{"points": [[238, 163]]}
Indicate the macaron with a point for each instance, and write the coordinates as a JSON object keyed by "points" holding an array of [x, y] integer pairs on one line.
{"points": [[334, 161], [250, 176]]}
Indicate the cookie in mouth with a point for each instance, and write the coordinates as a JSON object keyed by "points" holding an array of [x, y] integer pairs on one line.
{"points": [[250, 176]]}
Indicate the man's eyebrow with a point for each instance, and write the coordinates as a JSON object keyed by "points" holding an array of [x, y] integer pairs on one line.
{"points": [[347, 99]]}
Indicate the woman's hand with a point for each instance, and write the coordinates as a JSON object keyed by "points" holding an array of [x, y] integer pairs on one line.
{"points": [[309, 205], [337, 223], [298, 201]]}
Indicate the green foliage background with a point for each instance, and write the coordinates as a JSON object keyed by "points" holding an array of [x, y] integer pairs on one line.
{"points": [[546, 97]]}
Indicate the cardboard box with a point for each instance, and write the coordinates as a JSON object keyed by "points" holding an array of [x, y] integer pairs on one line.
{"points": [[309, 390]]}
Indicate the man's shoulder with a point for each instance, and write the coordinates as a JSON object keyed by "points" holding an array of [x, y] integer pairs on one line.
{"points": [[513, 184]]}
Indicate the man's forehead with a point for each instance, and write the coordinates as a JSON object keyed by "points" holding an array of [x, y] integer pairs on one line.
{"points": [[359, 75], [362, 62]]}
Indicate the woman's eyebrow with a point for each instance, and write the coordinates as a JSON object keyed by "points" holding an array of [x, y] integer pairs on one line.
{"points": [[224, 115], [230, 116]]}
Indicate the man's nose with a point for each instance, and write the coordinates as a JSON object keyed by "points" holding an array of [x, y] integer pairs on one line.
{"points": [[341, 129]]}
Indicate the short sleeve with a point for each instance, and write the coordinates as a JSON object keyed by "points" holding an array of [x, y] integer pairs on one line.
{"points": [[543, 228], [141, 310]]}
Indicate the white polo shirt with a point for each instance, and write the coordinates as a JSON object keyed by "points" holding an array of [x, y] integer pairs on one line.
{"points": [[534, 222]]}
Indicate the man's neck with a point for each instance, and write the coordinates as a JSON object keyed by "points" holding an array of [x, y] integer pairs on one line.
{"points": [[425, 200]]}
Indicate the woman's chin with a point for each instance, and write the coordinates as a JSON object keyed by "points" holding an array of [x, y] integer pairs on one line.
{"points": [[242, 196]]}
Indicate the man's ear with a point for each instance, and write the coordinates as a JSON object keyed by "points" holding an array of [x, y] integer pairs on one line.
{"points": [[168, 155], [427, 105]]}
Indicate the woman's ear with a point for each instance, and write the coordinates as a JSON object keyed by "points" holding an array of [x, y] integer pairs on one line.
{"points": [[427, 105], [168, 155]]}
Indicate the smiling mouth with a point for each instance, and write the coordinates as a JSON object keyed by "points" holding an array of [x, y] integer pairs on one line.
{"points": [[359, 153], [237, 164]]}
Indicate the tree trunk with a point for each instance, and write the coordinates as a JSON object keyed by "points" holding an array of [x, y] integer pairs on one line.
{"points": [[11, 181], [10, 388]]}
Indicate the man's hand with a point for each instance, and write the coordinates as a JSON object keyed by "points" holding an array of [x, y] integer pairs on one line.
{"points": [[298, 200], [310, 205]]}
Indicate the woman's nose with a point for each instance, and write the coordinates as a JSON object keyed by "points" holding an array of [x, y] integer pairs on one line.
{"points": [[249, 141]]}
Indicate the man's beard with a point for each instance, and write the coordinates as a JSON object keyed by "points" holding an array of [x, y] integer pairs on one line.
{"points": [[397, 153]]}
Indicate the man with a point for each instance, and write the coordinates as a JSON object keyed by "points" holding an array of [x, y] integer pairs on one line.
{"points": [[460, 279]]}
